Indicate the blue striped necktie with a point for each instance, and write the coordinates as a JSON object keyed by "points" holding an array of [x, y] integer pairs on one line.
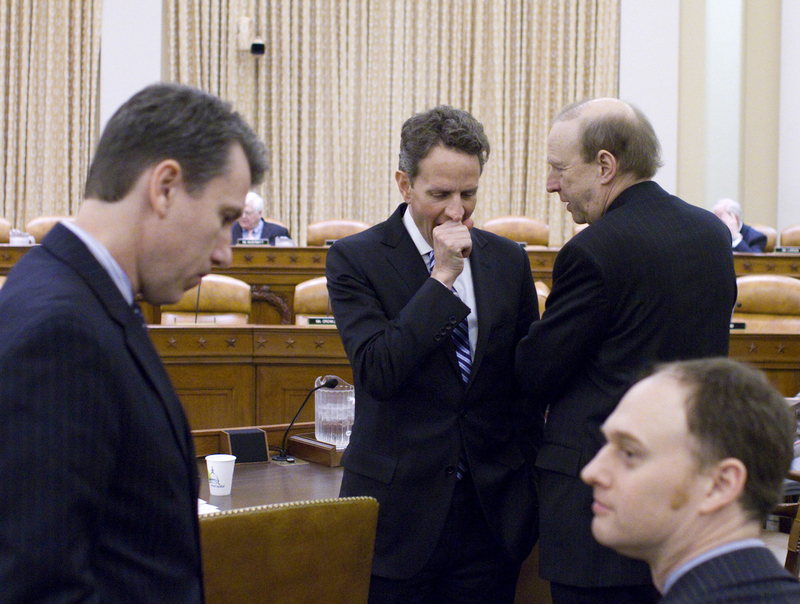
{"points": [[460, 338]]}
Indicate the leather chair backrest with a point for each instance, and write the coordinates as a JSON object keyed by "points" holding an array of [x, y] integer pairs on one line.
{"points": [[768, 303], [223, 300], [542, 291], [308, 551], [311, 299], [772, 235], [790, 236], [319, 232], [39, 227], [519, 228], [577, 228], [5, 230]]}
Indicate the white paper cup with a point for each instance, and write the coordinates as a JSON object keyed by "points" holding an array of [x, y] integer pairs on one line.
{"points": [[220, 473]]}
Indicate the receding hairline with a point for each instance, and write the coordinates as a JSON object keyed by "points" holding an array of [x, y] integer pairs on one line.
{"points": [[594, 108]]}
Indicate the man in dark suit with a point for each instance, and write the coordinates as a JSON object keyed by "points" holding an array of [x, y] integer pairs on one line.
{"points": [[101, 500], [251, 225], [443, 437], [650, 279], [693, 463], [743, 238]]}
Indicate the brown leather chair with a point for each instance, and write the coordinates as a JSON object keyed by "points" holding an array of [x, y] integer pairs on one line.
{"points": [[772, 235], [768, 303], [311, 299], [5, 230], [520, 228], [790, 236], [542, 291], [324, 230], [39, 227], [223, 300], [307, 551], [577, 228]]}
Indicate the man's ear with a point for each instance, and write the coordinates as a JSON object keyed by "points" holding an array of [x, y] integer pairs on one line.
{"points": [[165, 179], [607, 164], [404, 184], [728, 479]]}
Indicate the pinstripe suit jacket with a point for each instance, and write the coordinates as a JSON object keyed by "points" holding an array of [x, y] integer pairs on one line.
{"points": [[414, 414], [100, 503], [745, 576], [652, 280]]}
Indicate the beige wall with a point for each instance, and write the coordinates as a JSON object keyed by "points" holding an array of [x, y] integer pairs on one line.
{"points": [[758, 186], [691, 102], [760, 95]]}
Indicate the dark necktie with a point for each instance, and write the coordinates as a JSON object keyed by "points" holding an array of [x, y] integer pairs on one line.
{"points": [[460, 337]]}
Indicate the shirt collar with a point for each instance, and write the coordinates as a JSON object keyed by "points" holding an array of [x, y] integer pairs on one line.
{"points": [[423, 246], [106, 260], [725, 548]]}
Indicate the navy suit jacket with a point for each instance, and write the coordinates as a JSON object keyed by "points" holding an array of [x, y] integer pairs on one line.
{"points": [[269, 230], [101, 499], [752, 240], [414, 414], [652, 280], [745, 576]]}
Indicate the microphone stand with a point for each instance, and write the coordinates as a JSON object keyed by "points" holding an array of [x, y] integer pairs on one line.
{"points": [[284, 454], [197, 304]]}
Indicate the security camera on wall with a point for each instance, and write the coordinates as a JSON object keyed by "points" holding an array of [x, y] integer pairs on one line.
{"points": [[257, 47]]}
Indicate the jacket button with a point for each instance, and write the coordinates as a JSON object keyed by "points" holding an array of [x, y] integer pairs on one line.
{"points": [[453, 321], [437, 337], [450, 470], [442, 332]]}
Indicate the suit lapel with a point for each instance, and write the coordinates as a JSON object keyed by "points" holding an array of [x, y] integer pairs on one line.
{"points": [[65, 245], [405, 259], [403, 255], [482, 275]]}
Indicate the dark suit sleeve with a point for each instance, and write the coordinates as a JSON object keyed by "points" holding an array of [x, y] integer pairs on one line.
{"points": [[386, 338], [570, 330], [59, 434], [753, 241]]}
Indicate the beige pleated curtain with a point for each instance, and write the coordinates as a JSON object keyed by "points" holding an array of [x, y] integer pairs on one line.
{"points": [[49, 89], [339, 78]]}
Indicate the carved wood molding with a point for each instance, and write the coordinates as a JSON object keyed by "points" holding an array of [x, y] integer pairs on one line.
{"points": [[262, 293]]}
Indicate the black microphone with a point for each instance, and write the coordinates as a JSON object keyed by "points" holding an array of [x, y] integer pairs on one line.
{"points": [[284, 455]]}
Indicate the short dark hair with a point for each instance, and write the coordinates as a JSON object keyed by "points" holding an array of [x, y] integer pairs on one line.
{"points": [[631, 140], [171, 121], [733, 411], [443, 125]]}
